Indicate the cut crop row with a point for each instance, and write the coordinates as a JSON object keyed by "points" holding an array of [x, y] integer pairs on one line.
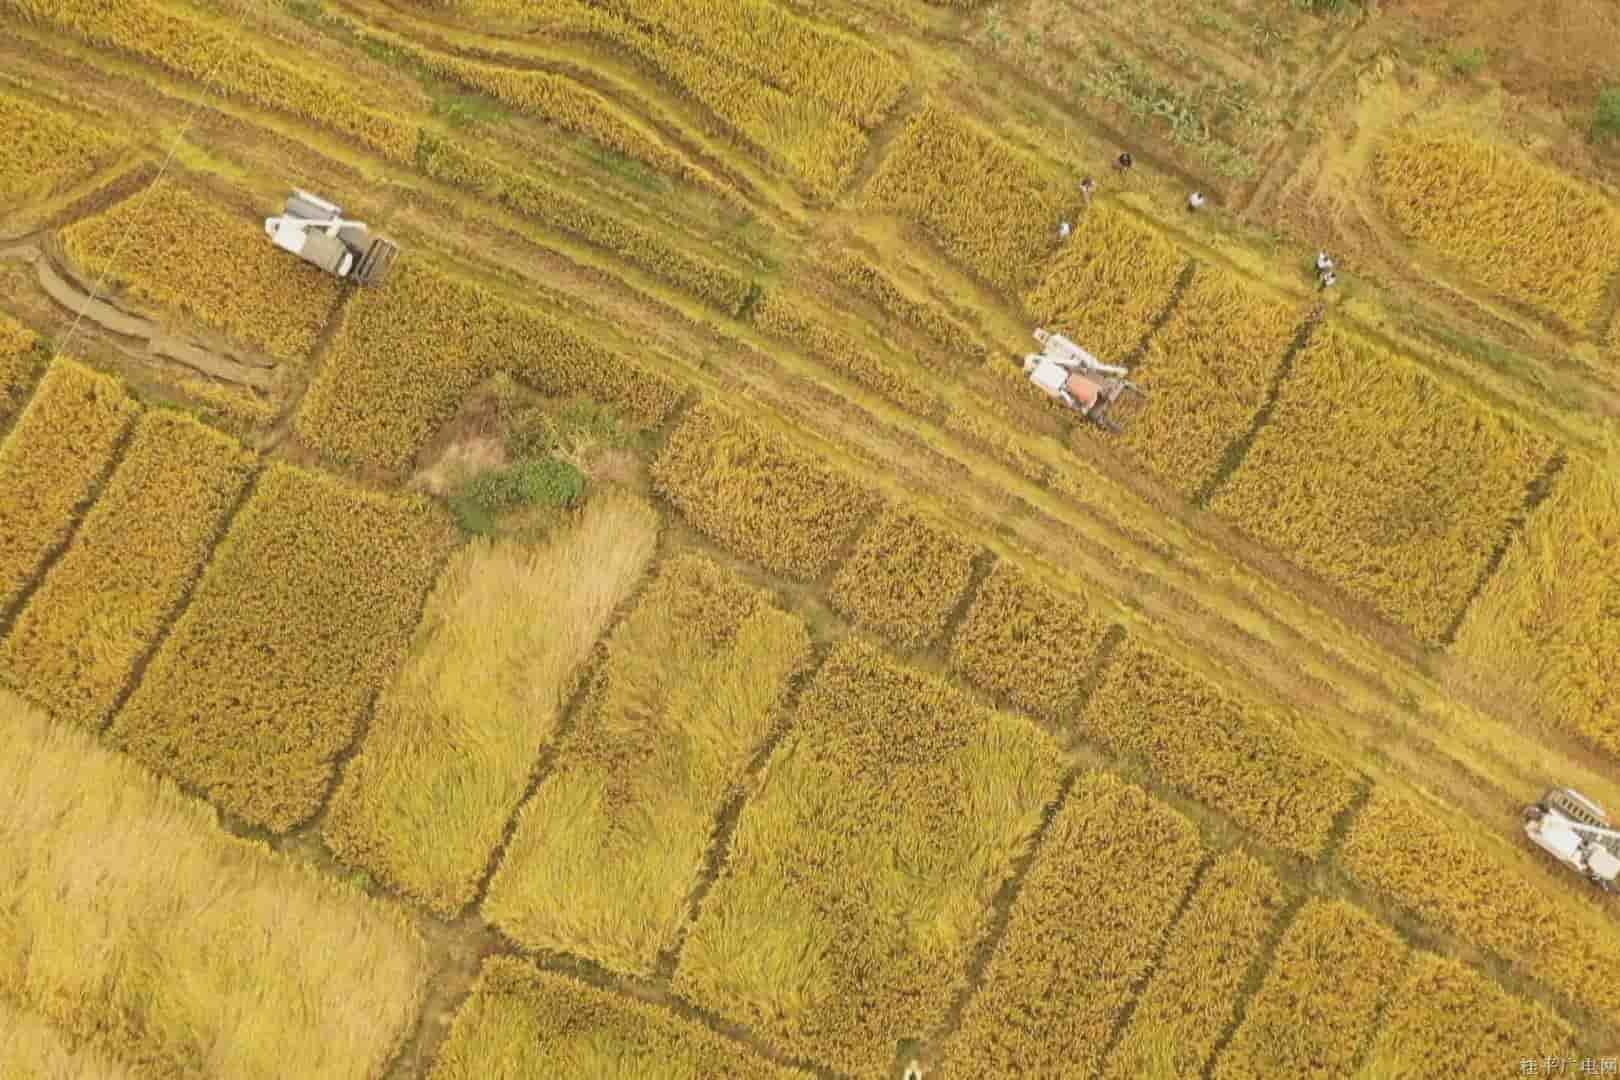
{"points": [[876, 285]]}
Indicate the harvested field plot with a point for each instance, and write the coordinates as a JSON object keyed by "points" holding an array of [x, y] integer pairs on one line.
{"points": [[521, 1021], [1381, 480], [305, 609], [607, 851], [102, 605], [904, 579], [189, 951], [46, 149], [503, 642], [921, 314], [861, 872], [1086, 925]]}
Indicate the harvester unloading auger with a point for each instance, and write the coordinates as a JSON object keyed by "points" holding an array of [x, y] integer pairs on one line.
{"points": [[1574, 830], [316, 231], [1064, 371]]}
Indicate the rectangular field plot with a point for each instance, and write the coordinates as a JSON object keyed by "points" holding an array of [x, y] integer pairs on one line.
{"points": [[267, 299], [51, 461], [305, 609], [861, 872], [1379, 479], [1193, 993], [103, 604], [606, 853], [46, 149], [1219, 749], [1549, 618], [1332, 972], [504, 640], [904, 578], [133, 920], [21, 358], [521, 1021], [1085, 927]]}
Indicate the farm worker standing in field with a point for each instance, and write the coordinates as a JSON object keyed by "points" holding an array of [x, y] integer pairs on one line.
{"points": [[1195, 202], [1123, 163], [1324, 264], [1327, 280], [1086, 188], [1063, 230]]}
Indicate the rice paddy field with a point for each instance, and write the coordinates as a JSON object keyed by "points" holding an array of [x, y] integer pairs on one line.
{"points": [[659, 632]]}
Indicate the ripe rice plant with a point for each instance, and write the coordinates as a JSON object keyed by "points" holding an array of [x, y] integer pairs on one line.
{"points": [[904, 578], [22, 355], [1448, 1019], [521, 1021], [31, 1049], [1332, 972], [1527, 231], [1427, 868], [606, 853], [103, 604], [1085, 927], [46, 149], [1025, 641], [758, 494], [306, 607], [1106, 283], [1193, 993], [860, 875], [63, 443], [1549, 618], [1206, 371], [503, 642], [134, 922], [1219, 749], [268, 299], [1378, 478], [954, 339], [990, 207]]}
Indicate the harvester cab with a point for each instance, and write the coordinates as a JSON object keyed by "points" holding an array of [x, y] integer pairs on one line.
{"points": [[1574, 830], [1070, 375], [316, 231]]}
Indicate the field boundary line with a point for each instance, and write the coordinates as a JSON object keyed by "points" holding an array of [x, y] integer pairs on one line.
{"points": [[984, 564], [1172, 304], [1254, 978]]}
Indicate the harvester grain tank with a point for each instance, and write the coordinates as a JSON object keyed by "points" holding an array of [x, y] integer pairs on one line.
{"points": [[316, 231], [1069, 374]]}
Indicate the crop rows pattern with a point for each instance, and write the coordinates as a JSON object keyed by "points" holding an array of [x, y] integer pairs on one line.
{"points": [[20, 363], [904, 578], [957, 345], [46, 149]]}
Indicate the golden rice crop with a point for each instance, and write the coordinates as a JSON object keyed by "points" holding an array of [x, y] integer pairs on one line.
{"points": [[759, 494], [605, 855], [503, 642], [22, 355], [1109, 279], [31, 1049], [406, 355], [1333, 970], [267, 299], [1027, 642], [46, 149], [1206, 372], [50, 463], [1549, 618], [306, 607], [860, 875], [988, 205], [1448, 1019], [1001, 442], [1378, 478], [1218, 748], [956, 341], [1433, 871], [1527, 231], [1085, 927], [148, 533], [197, 46], [1193, 992], [135, 922], [904, 578], [521, 1021]]}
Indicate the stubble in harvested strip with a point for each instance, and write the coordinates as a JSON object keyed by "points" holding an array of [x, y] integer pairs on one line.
{"points": [[1085, 927], [521, 1021], [1333, 970], [20, 362], [134, 921], [46, 149], [49, 463], [1380, 479], [503, 641], [1220, 749], [606, 853], [760, 495], [904, 578], [103, 604], [31, 1049], [956, 342], [861, 872], [1426, 867], [1024, 640], [305, 609]]}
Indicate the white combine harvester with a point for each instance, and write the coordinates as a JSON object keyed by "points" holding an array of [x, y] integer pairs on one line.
{"points": [[1574, 830], [1063, 370], [315, 231]]}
